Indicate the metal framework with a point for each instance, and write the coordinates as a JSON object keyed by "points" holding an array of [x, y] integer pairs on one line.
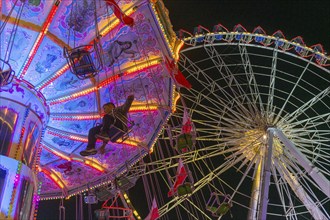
{"points": [[262, 119]]}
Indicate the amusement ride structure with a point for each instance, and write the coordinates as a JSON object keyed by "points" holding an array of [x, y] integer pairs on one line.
{"points": [[225, 124]]}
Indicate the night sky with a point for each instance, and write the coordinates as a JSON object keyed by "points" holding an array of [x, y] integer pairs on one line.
{"points": [[306, 18]]}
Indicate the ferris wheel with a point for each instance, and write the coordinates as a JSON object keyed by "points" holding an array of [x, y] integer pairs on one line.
{"points": [[259, 146]]}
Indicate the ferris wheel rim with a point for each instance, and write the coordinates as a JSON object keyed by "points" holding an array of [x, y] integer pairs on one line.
{"points": [[202, 89]]}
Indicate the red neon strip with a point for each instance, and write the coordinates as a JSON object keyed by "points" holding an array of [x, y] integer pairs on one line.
{"points": [[40, 38], [65, 68], [102, 84], [58, 74], [68, 137]]}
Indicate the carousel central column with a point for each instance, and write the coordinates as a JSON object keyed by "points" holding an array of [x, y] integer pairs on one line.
{"points": [[23, 117]]}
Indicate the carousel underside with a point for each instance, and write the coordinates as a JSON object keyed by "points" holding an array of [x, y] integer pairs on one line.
{"points": [[124, 48]]}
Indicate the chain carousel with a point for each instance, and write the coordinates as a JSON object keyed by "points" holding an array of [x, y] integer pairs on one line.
{"points": [[60, 62]]}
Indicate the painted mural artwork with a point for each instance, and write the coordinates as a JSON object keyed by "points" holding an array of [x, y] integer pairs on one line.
{"points": [[62, 142], [13, 88], [67, 168], [75, 105], [145, 33], [82, 15], [15, 58], [47, 156], [37, 110], [120, 49], [75, 127], [69, 82], [34, 6], [146, 125], [47, 183], [51, 54], [86, 103], [44, 65]]}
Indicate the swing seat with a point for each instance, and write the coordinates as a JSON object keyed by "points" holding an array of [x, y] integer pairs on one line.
{"points": [[6, 74], [102, 214], [82, 62], [220, 210], [218, 204], [119, 130], [184, 143], [35, 2], [5, 77], [185, 189], [114, 135]]}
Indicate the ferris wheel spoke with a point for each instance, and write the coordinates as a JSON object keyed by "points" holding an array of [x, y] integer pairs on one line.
{"points": [[199, 185], [319, 154], [292, 90], [197, 100], [270, 102], [317, 176], [197, 208], [252, 82], [214, 126], [196, 72], [214, 111], [238, 115], [248, 169], [319, 142], [313, 121], [190, 157], [222, 68], [233, 107], [283, 192], [310, 103], [222, 134], [229, 77], [297, 188]]}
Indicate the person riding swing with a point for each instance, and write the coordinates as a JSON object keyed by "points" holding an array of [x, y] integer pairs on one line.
{"points": [[114, 125]]}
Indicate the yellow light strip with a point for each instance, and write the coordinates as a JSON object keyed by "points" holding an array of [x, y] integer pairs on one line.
{"points": [[162, 28], [94, 165], [131, 70], [115, 22], [128, 201], [142, 66], [176, 97], [143, 107], [131, 142], [57, 180]]}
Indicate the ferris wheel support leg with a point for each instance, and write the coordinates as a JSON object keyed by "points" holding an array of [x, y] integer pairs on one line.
{"points": [[313, 171], [266, 175], [292, 180], [252, 215]]}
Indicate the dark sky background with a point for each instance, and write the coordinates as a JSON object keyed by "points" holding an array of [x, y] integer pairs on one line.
{"points": [[306, 18]]}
